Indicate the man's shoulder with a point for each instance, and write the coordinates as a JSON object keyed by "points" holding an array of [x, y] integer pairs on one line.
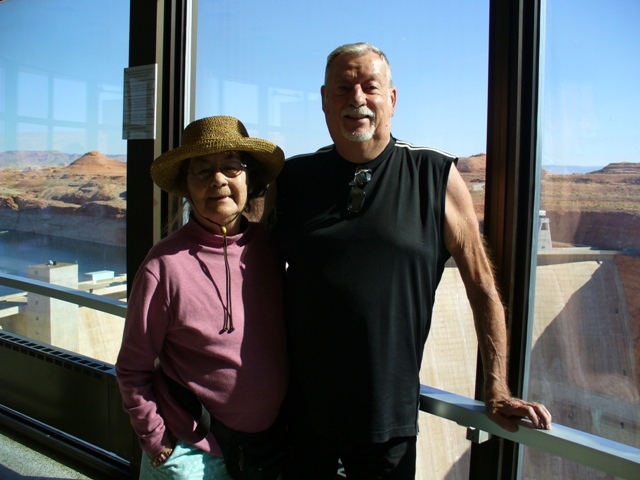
{"points": [[432, 152], [306, 161], [296, 159]]}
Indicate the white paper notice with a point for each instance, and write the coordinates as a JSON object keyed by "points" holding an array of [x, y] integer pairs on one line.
{"points": [[139, 119]]}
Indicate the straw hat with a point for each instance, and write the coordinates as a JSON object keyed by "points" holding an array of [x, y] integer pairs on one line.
{"points": [[213, 135]]}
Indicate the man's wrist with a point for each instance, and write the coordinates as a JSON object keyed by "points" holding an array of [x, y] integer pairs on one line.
{"points": [[495, 391]]}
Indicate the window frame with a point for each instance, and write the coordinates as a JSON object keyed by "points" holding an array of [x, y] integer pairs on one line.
{"points": [[511, 200]]}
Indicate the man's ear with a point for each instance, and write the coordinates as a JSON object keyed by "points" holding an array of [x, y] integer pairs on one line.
{"points": [[323, 90]]}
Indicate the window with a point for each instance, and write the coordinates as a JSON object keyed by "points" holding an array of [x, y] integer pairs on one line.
{"points": [[584, 361], [264, 64], [63, 166]]}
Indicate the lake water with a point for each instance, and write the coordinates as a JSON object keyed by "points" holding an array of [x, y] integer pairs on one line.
{"points": [[19, 250]]}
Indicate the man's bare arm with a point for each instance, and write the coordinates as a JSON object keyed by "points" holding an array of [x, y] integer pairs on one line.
{"points": [[464, 242]]}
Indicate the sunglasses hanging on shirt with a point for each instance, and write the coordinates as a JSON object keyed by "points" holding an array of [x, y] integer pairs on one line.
{"points": [[357, 193]]}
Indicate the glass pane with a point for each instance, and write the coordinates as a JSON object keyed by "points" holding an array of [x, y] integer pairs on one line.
{"points": [[263, 62], [584, 363], [63, 164]]}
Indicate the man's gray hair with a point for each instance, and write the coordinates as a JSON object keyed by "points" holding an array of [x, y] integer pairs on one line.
{"points": [[358, 49]]}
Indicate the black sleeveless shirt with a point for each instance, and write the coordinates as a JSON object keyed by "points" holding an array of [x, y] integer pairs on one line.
{"points": [[360, 286]]}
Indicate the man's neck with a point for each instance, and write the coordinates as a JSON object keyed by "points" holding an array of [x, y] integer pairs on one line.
{"points": [[362, 152]]}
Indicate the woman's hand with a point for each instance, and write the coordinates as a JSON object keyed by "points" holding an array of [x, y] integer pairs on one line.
{"points": [[162, 457]]}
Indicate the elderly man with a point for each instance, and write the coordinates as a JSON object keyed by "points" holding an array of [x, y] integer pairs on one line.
{"points": [[366, 226]]}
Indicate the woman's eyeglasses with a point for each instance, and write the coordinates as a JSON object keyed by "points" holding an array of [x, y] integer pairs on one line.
{"points": [[357, 193], [229, 168]]}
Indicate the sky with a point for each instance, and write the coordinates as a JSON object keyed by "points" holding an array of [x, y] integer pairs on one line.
{"points": [[62, 61], [591, 82]]}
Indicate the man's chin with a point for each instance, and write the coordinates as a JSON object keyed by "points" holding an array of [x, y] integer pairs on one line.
{"points": [[358, 137]]}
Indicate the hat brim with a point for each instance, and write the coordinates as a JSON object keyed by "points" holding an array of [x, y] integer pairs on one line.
{"points": [[166, 168]]}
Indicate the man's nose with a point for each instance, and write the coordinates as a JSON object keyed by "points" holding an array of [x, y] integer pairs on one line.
{"points": [[358, 98]]}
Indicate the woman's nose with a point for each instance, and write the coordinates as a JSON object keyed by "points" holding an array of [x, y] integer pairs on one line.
{"points": [[219, 179]]}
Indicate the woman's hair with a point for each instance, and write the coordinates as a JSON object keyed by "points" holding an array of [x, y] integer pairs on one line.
{"points": [[256, 179]]}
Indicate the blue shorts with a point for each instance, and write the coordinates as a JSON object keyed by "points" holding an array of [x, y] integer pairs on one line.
{"points": [[185, 463]]}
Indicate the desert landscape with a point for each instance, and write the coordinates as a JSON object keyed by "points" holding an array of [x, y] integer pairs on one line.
{"points": [[84, 199], [598, 209]]}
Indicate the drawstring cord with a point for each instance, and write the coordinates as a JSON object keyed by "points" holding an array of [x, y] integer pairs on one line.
{"points": [[228, 313], [227, 326]]}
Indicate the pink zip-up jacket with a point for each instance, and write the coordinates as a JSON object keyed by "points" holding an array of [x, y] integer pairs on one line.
{"points": [[175, 313]]}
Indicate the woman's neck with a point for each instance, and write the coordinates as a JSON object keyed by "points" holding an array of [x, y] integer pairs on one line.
{"points": [[232, 226]]}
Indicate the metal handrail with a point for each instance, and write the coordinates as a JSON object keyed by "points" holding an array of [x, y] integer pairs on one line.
{"points": [[84, 299], [591, 450], [597, 452]]}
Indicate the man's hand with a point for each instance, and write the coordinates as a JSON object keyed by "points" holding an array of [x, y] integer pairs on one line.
{"points": [[511, 412]]}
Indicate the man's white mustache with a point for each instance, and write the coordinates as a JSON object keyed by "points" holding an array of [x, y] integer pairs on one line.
{"points": [[359, 112]]}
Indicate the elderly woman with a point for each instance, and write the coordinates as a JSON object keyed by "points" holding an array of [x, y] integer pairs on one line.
{"points": [[205, 310]]}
